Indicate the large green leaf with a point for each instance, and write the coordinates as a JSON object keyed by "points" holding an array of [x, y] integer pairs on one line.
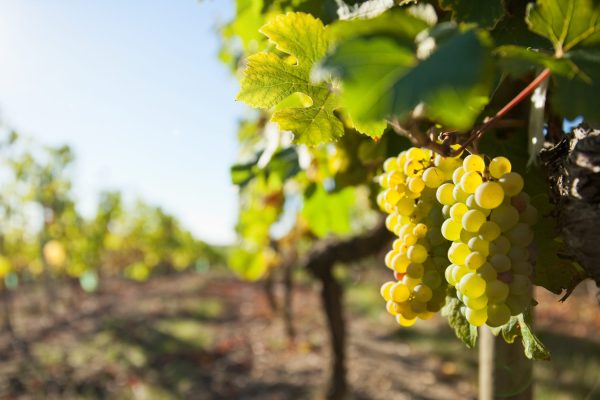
{"points": [[534, 348], [383, 78], [573, 28], [486, 16], [329, 212], [269, 79]]}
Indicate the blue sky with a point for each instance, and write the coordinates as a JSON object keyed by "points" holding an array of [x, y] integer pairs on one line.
{"points": [[136, 88]]}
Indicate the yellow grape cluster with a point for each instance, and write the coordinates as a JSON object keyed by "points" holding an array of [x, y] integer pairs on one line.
{"points": [[458, 222], [488, 221], [418, 257]]}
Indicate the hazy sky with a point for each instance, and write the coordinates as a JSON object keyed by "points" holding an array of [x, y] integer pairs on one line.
{"points": [[136, 88]]}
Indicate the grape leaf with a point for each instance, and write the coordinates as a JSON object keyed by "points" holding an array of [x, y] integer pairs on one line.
{"points": [[329, 213], [464, 331], [382, 78], [366, 9], [534, 348], [269, 79], [573, 27], [510, 330], [486, 16]]}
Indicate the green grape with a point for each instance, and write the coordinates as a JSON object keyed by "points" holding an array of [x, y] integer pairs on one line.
{"points": [[391, 196], [426, 315], [392, 307], [522, 268], [415, 270], [457, 211], [409, 239], [418, 306], [406, 207], [489, 231], [473, 163], [457, 175], [499, 166], [391, 221], [529, 215], [487, 272], [416, 153], [412, 167], [518, 303], [476, 317], [470, 181], [518, 253], [385, 290], [472, 285], [457, 253], [451, 230], [479, 245], [435, 237], [520, 285], [505, 216], [444, 194], [472, 204], [474, 260], [423, 294], [433, 177], [512, 183], [501, 245], [446, 211], [498, 315], [416, 184], [390, 164], [496, 291], [405, 322], [500, 262], [476, 303], [389, 257], [406, 310], [459, 194], [489, 195], [394, 178], [417, 253], [472, 220], [399, 263], [521, 234], [399, 292], [420, 230], [432, 279]]}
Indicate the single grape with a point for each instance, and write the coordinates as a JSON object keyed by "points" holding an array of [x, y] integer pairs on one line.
{"points": [[476, 317], [470, 181], [457, 253], [457, 175], [418, 306], [529, 215], [499, 166], [472, 220], [512, 183], [392, 307], [415, 270], [389, 257], [451, 230], [422, 293], [487, 272], [518, 253], [475, 260], [420, 230], [399, 292], [404, 321], [458, 272], [489, 195], [501, 245], [466, 236], [385, 290], [432, 279], [498, 315], [472, 285], [433, 177], [416, 184], [417, 253], [444, 194], [521, 234], [416, 153], [520, 285], [457, 211], [409, 239], [459, 194], [391, 196], [496, 291], [478, 244], [448, 274], [390, 164], [489, 231], [474, 163], [476, 303], [522, 268], [406, 207], [505, 216], [500, 262]]}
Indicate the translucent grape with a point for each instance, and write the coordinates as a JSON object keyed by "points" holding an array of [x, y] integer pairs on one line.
{"points": [[451, 230], [405, 207], [416, 184], [391, 196], [420, 230], [472, 220], [489, 195], [458, 271], [385, 290], [422, 293], [499, 166], [457, 211], [475, 260], [405, 322], [415, 153], [479, 245], [476, 303], [501, 245], [444, 194], [459, 194], [392, 307], [457, 175], [390, 164], [472, 285], [400, 262], [448, 275], [417, 253], [458, 252], [470, 181], [476, 317], [489, 231], [474, 163], [433, 177], [399, 292]]}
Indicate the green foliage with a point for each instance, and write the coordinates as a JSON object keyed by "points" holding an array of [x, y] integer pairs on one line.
{"points": [[486, 16], [329, 213], [534, 348], [463, 330]]}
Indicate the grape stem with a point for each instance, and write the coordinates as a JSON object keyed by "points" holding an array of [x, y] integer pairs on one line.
{"points": [[427, 140]]}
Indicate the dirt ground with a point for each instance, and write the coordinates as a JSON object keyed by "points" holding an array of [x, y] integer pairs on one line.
{"points": [[210, 336]]}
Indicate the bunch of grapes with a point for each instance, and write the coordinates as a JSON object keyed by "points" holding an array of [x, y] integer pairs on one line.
{"points": [[418, 257], [463, 220], [488, 221]]}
